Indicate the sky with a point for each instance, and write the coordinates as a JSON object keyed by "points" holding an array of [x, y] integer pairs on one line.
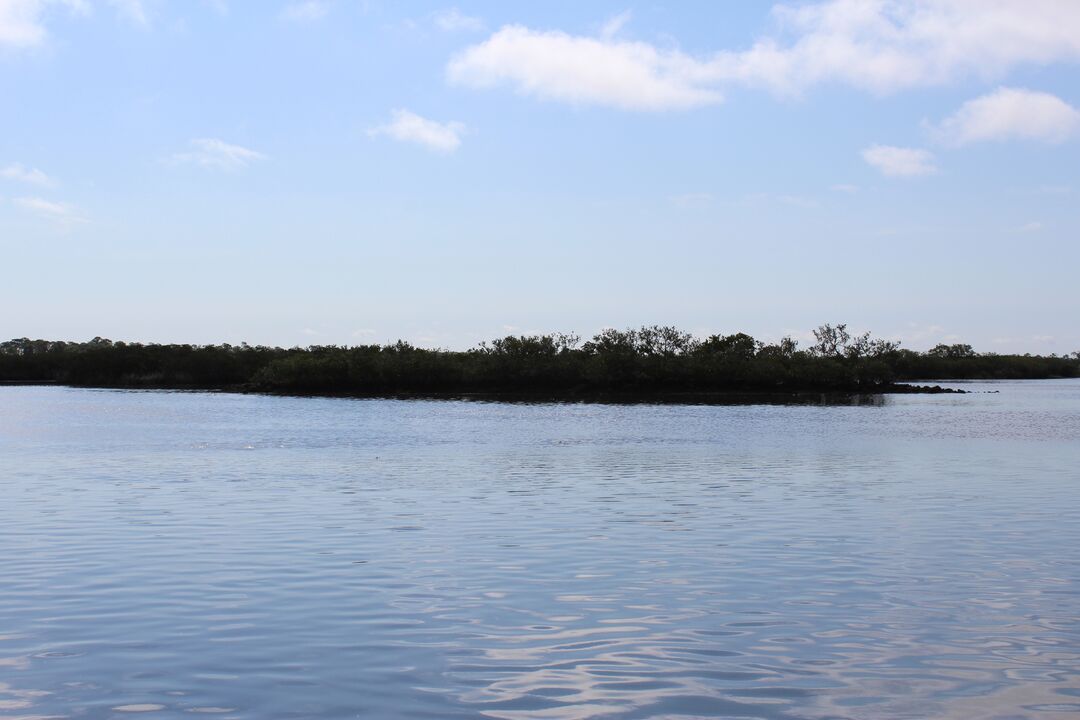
{"points": [[344, 172]]}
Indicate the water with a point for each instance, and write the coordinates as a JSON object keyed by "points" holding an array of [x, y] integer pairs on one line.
{"points": [[163, 554]]}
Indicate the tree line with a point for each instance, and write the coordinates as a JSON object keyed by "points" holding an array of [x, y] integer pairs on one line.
{"points": [[647, 360]]}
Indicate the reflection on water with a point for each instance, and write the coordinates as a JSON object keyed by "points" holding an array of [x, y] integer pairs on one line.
{"points": [[255, 557]]}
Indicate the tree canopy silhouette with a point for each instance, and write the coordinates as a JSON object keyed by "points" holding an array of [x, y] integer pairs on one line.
{"points": [[642, 361]]}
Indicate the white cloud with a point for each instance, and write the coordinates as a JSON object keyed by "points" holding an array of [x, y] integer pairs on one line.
{"points": [[889, 45], [846, 188], [305, 11], [132, 10], [31, 176], [49, 209], [882, 46], [584, 70], [615, 24], [453, 20], [22, 21], [900, 162], [210, 152], [1009, 113], [409, 127], [1030, 227]]}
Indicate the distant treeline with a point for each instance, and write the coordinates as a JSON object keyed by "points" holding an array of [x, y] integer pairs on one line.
{"points": [[650, 360]]}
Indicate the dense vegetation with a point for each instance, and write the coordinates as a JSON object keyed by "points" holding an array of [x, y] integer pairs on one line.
{"points": [[651, 360]]}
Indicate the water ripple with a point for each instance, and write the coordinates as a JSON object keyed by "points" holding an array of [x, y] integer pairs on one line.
{"points": [[175, 555]]}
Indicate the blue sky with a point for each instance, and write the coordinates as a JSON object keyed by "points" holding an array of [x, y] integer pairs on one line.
{"points": [[341, 172]]}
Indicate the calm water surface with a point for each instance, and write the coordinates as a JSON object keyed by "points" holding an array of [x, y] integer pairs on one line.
{"points": [[164, 554]]}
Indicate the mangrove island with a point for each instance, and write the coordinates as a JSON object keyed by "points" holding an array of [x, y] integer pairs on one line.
{"points": [[650, 361]]}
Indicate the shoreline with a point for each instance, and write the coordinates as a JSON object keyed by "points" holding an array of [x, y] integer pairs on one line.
{"points": [[808, 396]]}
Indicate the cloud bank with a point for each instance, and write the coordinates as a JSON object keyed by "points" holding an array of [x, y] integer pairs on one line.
{"points": [[584, 70], [880, 46]]}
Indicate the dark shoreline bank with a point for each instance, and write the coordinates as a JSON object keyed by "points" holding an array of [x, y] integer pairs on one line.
{"points": [[723, 397], [854, 396]]}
